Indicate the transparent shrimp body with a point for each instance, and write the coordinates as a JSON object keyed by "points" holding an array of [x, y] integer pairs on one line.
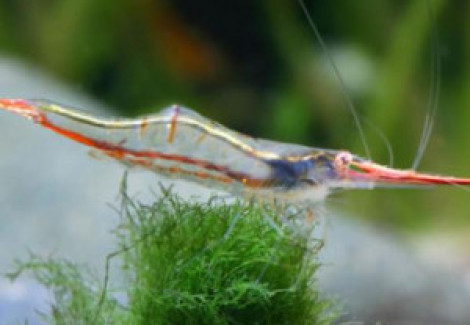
{"points": [[179, 143]]}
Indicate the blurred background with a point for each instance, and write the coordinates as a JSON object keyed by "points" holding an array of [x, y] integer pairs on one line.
{"points": [[255, 66]]}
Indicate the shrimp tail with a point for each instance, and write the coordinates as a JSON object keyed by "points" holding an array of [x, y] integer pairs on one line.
{"points": [[21, 107]]}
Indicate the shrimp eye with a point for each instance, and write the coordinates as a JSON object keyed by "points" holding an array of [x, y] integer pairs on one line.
{"points": [[343, 159]]}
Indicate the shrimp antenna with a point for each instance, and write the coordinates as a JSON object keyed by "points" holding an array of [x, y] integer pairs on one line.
{"points": [[433, 100], [344, 91], [384, 140]]}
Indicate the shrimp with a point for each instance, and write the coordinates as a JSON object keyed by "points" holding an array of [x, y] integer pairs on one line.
{"points": [[179, 143]]}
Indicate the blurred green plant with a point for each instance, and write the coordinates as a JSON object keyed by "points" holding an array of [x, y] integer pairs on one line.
{"points": [[256, 67], [192, 263]]}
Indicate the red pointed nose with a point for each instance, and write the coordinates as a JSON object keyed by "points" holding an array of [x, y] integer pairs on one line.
{"points": [[369, 171]]}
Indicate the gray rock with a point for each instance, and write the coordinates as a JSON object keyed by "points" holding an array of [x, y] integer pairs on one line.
{"points": [[380, 278], [54, 199]]}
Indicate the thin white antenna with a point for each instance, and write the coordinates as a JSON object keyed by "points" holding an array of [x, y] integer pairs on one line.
{"points": [[384, 140], [344, 91], [433, 100]]}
